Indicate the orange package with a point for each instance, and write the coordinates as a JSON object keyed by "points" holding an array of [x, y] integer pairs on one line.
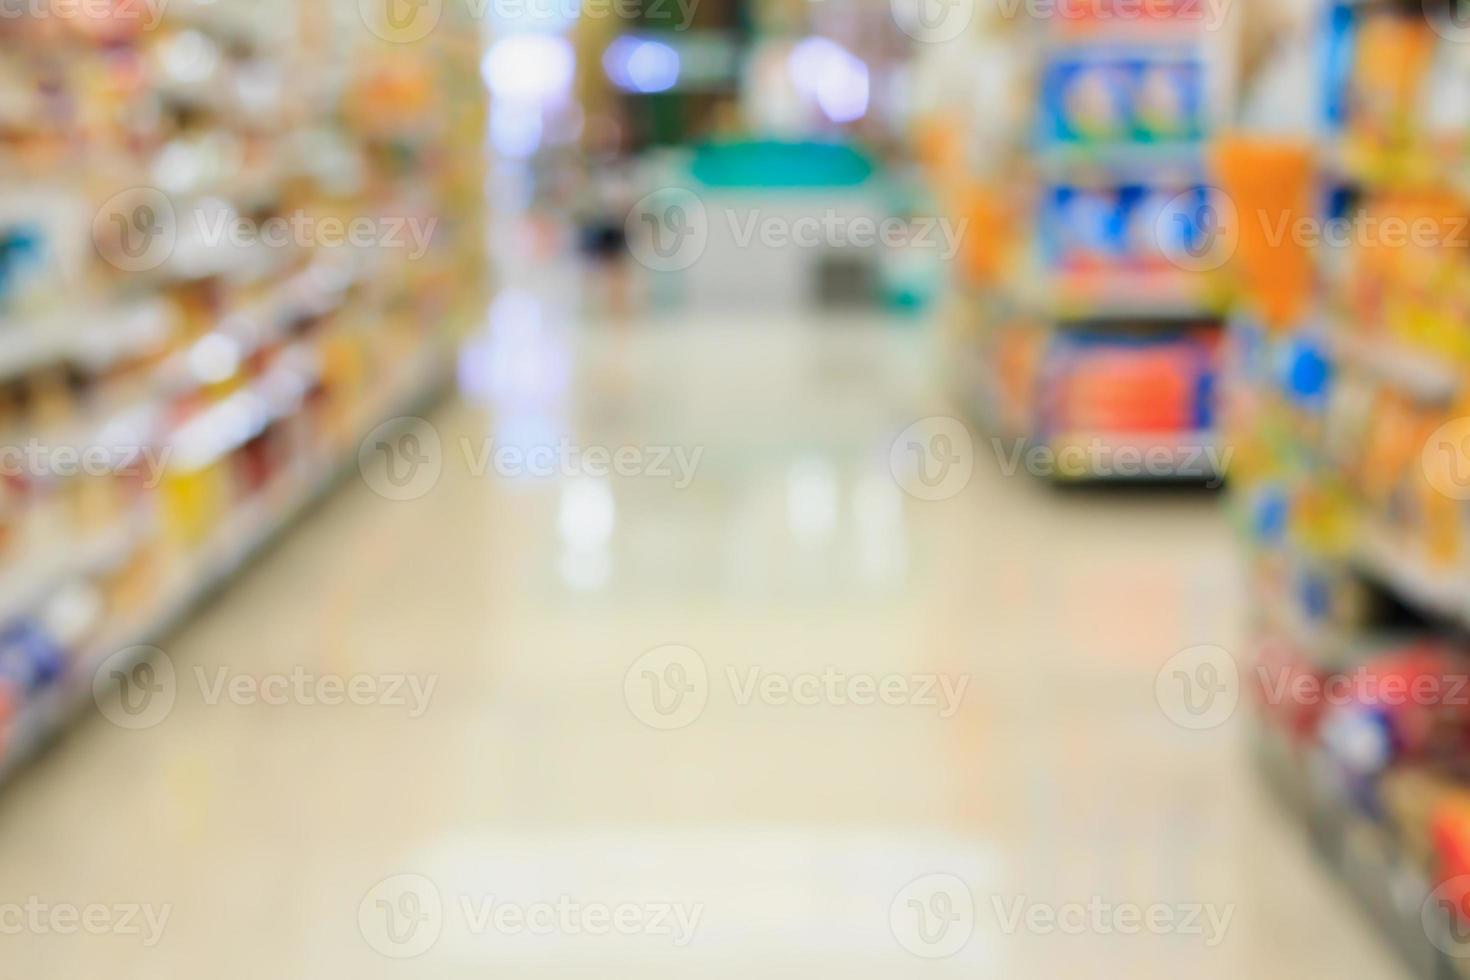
{"points": [[1268, 185]]}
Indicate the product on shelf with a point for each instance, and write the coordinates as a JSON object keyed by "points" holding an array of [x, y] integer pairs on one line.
{"points": [[229, 247], [1347, 367], [1099, 383], [1100, 99]]}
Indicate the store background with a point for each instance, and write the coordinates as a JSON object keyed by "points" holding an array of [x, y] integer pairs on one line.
{"points": [[649, 488]]}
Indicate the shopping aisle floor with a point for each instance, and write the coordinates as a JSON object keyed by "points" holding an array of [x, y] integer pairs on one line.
{"points": [[777, 832]]}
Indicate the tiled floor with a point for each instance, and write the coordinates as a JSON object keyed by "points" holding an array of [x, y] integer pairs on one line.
{"points": [[693, 730]]}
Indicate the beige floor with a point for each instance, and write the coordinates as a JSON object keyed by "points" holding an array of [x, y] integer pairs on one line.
{"points": [[799, 833]]}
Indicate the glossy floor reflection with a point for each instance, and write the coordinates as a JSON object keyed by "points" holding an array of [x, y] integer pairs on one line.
{"points": [[882, 697]]}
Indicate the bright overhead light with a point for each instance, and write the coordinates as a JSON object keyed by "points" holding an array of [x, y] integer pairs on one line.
{"points": [[530, 68], [833, 77], [641, 65]]}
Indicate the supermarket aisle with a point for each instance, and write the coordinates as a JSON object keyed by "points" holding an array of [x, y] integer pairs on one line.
{"points": [[520, 773]]}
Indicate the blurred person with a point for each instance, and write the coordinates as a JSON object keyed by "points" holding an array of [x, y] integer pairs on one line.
{"points": [[607, 195]]}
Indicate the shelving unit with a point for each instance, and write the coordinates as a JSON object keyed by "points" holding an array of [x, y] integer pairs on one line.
{"points": [[1104, 323], [217, 389], [1359, 537]]}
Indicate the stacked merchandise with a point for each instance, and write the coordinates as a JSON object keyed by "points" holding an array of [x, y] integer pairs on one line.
{"points": [[1349, 403], [231, 243], [1102, 330]]}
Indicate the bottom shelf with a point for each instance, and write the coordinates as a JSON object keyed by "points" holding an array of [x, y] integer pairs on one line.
{"points": [[1146, 457], [1388, 885], [246, 535]]}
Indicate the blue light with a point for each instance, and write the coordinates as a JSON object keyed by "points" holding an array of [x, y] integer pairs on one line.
{"points": [[639, 65]]}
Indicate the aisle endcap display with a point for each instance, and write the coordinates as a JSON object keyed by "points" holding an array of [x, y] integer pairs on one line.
{"points": [[1101, 330]]}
